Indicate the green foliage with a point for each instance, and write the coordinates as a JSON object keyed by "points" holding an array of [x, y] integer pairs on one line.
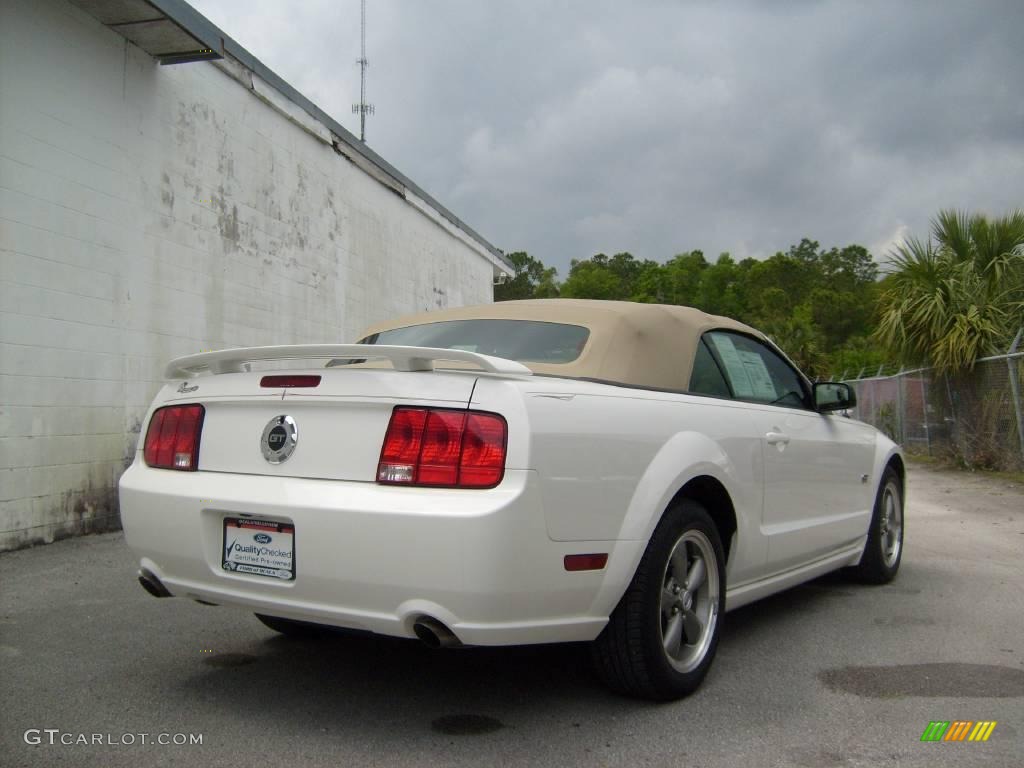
{"points": [[957, 296], [858, 353], [798, 338], [848, 267], [812, 302], [532, 280], [595, 279], [721, 290], [682, 277]]}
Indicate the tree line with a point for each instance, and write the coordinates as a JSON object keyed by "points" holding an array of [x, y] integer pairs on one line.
{"points": [[943, 301], [815, 303]]}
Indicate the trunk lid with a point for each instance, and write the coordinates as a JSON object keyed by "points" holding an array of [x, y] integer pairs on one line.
{"points": [[339, 424]]}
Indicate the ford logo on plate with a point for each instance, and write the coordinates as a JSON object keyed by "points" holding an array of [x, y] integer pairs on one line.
{"points": [[261, 538]]}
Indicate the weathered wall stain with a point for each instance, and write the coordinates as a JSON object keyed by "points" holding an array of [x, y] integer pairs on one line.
{"points": [[227, 219], [82, 511], [167, 192]]}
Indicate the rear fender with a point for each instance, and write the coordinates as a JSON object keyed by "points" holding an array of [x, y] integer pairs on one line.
{"points": [[685, 456]]}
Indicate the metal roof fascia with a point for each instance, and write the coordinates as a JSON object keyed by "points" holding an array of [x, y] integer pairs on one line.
{"points": [[200, 27]]}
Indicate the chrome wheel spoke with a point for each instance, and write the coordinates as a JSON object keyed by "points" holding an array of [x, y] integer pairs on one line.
{"points": [[673, 636], [691, 627], [668, 599], [678, 565], [695, 578], [894, 535]]}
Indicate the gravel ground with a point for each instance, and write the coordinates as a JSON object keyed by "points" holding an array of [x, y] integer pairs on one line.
{"points": [[828, 674]]}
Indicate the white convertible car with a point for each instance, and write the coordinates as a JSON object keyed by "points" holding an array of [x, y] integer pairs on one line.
{"points": [[522, 472]]}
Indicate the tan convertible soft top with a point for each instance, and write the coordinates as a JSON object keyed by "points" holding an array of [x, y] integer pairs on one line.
{"points": [[646, 345]]}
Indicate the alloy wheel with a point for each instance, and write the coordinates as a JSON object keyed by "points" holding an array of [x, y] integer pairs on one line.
{"points": [[689, 601]]}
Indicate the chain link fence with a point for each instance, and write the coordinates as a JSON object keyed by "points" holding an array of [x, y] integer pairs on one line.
{"points": [[975, 418]]}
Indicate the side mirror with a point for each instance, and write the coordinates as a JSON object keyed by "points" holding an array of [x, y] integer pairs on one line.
{"points": [[833, 396]]}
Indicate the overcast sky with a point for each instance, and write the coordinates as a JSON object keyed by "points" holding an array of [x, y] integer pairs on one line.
{"points": [[571, 128]]}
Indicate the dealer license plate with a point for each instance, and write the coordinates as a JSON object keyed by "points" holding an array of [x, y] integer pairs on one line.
{"points": [[259, 546]]}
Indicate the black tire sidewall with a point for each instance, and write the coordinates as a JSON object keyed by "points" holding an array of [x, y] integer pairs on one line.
{"points": [[873, 567]]}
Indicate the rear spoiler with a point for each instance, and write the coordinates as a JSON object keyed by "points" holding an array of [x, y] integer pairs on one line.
{"points": [[402, 358]]}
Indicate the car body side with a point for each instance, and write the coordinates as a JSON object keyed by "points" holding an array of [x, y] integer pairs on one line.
{"points": [[611, 460]]}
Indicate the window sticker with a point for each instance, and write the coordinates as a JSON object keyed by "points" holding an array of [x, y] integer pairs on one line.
{"points": [[734, 367], [747, 371], [760, 379]]}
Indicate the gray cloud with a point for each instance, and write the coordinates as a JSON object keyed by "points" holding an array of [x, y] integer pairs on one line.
{"points": [[568, 128]]}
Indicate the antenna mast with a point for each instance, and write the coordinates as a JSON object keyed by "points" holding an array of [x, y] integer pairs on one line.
{"points": [[362, 108]]}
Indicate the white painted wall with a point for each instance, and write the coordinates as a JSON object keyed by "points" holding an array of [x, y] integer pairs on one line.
{"points": [[148, 212]]}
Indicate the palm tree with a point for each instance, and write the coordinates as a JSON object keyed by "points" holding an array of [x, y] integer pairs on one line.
{"points": [[957, 296]]}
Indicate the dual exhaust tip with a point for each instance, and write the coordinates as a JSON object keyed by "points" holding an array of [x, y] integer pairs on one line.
{"points": [[434, 634], [431, 632], [152, 584]]}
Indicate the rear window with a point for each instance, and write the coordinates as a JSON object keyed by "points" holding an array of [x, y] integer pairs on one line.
{"points": [[527, 341]]}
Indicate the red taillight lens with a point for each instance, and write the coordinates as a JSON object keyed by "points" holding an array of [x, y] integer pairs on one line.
{"points": [[443, 447], [442, 444], [483, 451], [594, 562], [172, 440], [401, 449]]}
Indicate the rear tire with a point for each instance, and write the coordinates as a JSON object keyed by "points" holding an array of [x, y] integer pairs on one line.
{"points": [[662, 637], [884, 549]]}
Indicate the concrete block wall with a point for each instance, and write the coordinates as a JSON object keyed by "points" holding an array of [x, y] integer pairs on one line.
{"points": [[148, 212]]}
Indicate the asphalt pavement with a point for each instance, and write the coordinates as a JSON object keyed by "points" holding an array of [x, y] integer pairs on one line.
{"points": [[832, 673]]}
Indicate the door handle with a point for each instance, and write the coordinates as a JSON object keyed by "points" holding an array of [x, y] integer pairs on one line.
{"points": [[777, 438]]}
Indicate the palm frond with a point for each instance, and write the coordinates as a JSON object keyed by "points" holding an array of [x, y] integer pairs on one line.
{"points": [[957, 296], [952, 231]]}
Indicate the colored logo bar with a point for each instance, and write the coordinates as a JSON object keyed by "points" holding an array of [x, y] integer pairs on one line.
{"points": [[958, 730]]}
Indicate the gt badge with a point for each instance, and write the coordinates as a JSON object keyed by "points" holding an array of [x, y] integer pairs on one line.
{"points": [[279, 439]]}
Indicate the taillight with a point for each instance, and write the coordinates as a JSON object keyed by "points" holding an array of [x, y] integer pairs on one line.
{"points": [[172, 440], [443, 447]]}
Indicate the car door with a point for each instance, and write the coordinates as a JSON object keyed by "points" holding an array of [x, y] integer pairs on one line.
{"points": [[815, 464], [727, 423]]}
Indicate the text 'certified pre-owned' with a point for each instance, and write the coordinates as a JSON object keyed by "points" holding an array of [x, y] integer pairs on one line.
{"points": [[279, 439]]}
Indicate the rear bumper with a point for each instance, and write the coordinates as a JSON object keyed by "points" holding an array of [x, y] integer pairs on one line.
{"points": [[378, 557]]}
